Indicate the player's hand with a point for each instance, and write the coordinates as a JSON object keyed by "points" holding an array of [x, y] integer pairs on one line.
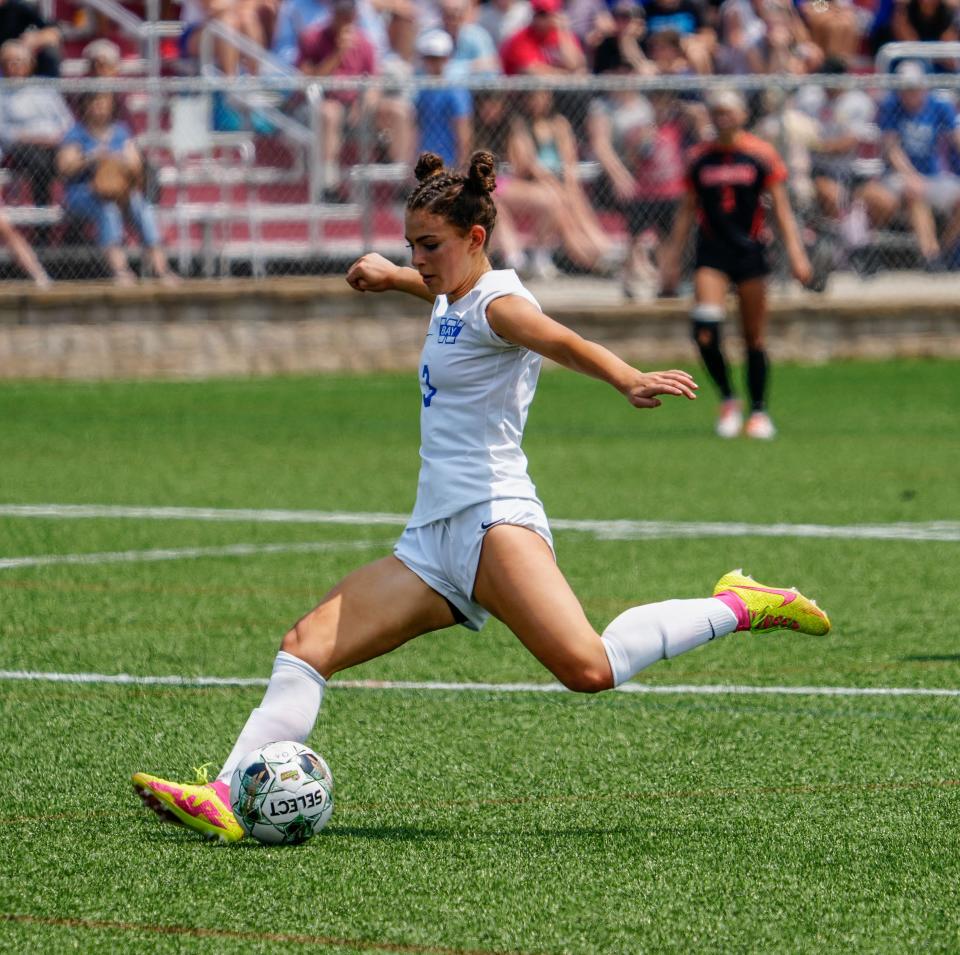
{"points": [[372, 273], [645, 389]]}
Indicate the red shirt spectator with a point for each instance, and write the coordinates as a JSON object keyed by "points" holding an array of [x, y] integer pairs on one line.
{"points": [[340, 48], [546, 45]]}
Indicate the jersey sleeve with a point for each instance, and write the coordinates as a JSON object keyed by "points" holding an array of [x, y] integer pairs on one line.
{"points": [[776, 169], [492, 296]]}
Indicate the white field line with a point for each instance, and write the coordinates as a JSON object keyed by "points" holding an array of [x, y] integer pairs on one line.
{"points": [[709, 689], [182, 553], [605, 530]]}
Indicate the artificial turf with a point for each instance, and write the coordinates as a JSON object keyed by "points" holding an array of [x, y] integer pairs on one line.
{"points": [[487, 821]]}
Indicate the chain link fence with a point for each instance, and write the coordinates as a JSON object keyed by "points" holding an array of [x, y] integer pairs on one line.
{"points": [[205, 177]]}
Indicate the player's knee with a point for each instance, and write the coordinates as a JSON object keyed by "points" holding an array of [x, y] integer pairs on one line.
{"points": [[308, 639], [705, 325], [587, 678]]}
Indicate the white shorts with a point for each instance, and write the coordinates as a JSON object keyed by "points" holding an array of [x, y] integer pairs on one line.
{"points": [[445, 554]]}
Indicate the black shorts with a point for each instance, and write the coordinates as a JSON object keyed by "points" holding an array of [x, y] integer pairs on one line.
{"points": [[643, 214], [739, 265]]}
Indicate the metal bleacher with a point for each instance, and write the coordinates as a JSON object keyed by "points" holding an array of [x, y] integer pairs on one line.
{"points": [[244, 201]]}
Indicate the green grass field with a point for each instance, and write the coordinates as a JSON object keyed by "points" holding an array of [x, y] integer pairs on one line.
{"points": [[486, 822]]}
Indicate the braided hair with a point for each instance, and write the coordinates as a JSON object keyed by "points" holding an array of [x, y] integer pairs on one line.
{"points": [[463, 201]]}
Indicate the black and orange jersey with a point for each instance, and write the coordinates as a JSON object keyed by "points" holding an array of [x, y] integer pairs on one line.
{"points": [[728, 182]]}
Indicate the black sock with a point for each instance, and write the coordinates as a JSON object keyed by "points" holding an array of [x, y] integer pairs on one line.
{"points": [[707, 337], [757, 373]]}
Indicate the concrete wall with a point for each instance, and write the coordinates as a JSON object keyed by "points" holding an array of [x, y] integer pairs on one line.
{"points": [[290, 326]]}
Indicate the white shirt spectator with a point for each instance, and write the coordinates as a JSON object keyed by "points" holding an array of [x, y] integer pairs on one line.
{"points": [[503, 18], [33, 114]]}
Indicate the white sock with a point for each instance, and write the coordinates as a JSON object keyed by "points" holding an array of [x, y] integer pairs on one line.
{"points": [[288, 710], [643, 635]]}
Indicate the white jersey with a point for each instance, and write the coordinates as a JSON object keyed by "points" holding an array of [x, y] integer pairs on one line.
{"points": [[477, 388]]}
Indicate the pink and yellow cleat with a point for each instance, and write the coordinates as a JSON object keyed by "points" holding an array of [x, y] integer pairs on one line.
{"points": [[203, 807], [761, 609]]}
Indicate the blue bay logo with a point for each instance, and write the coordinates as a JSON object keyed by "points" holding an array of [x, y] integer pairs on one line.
{"points": [[449, 330]]}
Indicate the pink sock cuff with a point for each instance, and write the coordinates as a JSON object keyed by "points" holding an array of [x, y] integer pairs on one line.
{"points": [[738, 607], [222, 789]]}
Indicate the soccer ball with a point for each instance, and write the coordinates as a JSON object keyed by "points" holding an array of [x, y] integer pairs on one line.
{"points": [[282, 793]]}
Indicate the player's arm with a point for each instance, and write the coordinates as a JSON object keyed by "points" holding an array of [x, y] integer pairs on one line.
{"points": [[799, 263], [518, 321], [373, 273]]}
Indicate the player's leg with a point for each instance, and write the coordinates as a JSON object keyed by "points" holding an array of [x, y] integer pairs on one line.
{"points": [[710, 296], [370, 612], [752, 295], [519, 582]]}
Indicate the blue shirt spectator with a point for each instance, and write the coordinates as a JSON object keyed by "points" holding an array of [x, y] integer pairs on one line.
{"points": [[99, 144], [117, 136], [684, 16], [474, 52], [438, 112], [920, 126], [443, 115]]}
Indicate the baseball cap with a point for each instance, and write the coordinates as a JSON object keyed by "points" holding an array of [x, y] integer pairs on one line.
{"points": [[435, 43], [911, 70], [102, 49], [546, 6], [726, 99]]}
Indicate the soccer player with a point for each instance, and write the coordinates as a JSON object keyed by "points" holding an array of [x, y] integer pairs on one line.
{"points": [[726, 180], [478, 542]]}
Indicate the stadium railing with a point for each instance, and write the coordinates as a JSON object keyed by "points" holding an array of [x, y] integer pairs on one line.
{"points": [[247, 191]]}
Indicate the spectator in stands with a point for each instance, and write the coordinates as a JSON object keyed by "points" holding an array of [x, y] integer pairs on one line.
{"points": [[297, 17], [102, 58], [541, 148], [102, 169], [639, 143], [764, 36], [698, 39], [924, 20], [726, 183], [844, 125], [20, 20], [915, 125], [340, 48], [521, 203], [24, 255], [545, 45], [33, 121], [395, 110], [503, 18], [835, 27], [246, 17], [621, 50], [665, 50], [741, 30], [443, 114], [474, 52]]}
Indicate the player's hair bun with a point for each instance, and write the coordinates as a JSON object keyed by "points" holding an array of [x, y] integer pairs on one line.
{"points": [[482, 176], [428, 165]]}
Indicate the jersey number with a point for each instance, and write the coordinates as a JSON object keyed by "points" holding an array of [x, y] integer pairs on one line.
{"points": [[428, 390]]}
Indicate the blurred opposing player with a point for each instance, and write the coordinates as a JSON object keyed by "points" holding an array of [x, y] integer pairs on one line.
{"points": [[478, 542], [726, 181]]}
